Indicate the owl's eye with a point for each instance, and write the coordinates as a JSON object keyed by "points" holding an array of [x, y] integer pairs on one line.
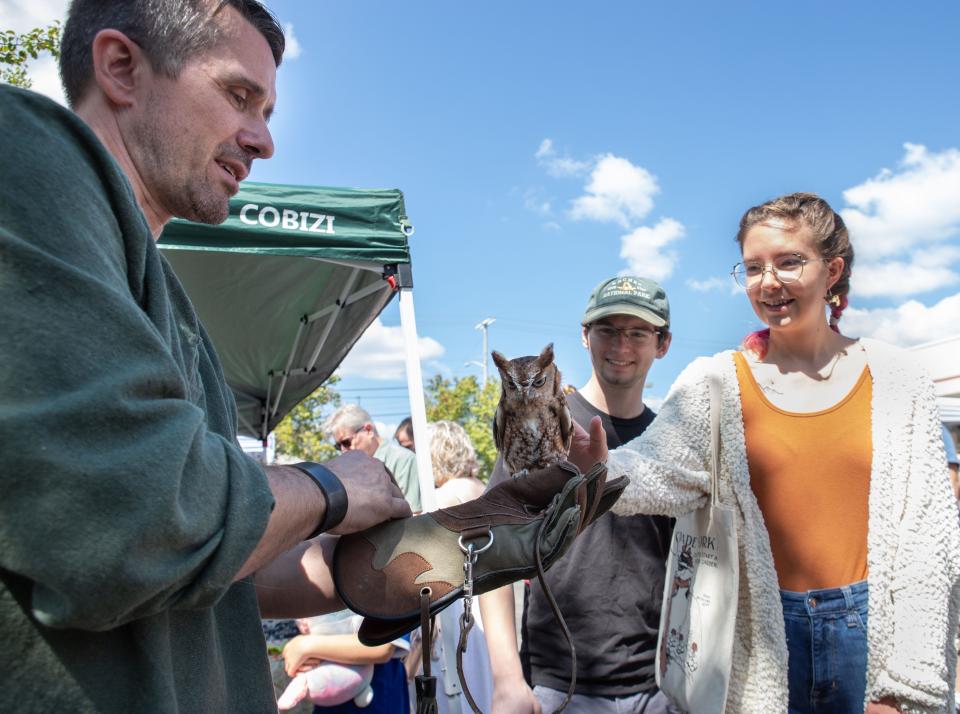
{"points": [[511, 386], [539, 382]]}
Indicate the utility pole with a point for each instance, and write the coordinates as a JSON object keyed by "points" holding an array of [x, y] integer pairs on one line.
{"points": [[483, 325]]}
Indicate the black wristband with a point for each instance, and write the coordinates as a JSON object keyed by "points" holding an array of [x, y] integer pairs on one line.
{"points": [[332, 490]]}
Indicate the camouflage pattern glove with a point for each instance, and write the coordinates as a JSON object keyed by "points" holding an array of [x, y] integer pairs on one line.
{"points": [[380, 572]]}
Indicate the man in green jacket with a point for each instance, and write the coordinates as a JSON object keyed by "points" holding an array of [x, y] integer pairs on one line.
{"points": [[131, 523]]}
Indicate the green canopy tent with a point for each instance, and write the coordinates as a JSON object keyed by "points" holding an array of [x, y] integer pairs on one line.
{"points": [[288, 283]]}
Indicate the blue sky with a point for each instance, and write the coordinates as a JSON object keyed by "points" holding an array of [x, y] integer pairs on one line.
{"points": [[545, 146]]}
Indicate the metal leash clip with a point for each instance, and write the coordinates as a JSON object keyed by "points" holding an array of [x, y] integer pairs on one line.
{"points": [[470, 553]]}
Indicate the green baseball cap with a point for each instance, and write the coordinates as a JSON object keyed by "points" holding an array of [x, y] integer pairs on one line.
{"points": [[627, 295]]}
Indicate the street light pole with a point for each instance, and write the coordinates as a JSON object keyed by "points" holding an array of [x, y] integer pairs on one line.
{"points": [[483, 325]]}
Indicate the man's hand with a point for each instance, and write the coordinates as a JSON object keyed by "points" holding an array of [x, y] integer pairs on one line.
{"points": [[514, 698], [884, 707], [372, 495], [588, 448]]}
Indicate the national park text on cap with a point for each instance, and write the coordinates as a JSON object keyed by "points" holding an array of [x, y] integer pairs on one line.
{"points": [[628, 295]]}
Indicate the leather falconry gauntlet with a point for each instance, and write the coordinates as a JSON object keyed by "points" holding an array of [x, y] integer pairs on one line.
{"points": [[516, 530]]}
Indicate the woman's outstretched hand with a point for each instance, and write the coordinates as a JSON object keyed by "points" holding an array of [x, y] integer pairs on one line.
{"points": [[588, 447]]}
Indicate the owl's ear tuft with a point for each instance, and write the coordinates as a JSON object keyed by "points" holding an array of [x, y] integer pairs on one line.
{"points": [[546, 356], [499, 360]]}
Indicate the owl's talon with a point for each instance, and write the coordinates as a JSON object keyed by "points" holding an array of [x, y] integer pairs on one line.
{"points": [[521, 473]]}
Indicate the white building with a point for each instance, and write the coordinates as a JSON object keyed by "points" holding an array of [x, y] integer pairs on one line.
{"points": [[942, 360]]}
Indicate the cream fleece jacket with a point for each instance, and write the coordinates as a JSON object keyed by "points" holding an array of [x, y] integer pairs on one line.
{"points": [[913, 539]]}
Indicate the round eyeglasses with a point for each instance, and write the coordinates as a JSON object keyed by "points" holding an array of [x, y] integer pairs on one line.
{"points": [[634, 335], [785, 269]]}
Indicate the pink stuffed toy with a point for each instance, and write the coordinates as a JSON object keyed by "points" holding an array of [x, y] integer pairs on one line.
{"points": [[330, 683]]}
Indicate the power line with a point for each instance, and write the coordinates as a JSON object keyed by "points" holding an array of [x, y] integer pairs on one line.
{"points": [[366, 389]]}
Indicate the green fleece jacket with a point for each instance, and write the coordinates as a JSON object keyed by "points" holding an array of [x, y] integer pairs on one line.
{"points": [[126, 505]]}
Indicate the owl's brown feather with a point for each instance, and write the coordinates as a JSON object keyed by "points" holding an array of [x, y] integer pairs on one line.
{"points": [[532, 427]]}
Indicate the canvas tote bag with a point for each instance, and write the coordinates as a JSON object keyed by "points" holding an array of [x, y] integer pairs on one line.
{"points": [[700, 597]]}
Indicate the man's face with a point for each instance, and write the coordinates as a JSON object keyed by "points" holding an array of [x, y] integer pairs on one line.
{"points": [[618, 360], [405, 439], [363, 439], [194, 138]]}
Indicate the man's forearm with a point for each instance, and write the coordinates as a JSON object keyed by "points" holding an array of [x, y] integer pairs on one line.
{"points": [[299, 583], [299, 506]]}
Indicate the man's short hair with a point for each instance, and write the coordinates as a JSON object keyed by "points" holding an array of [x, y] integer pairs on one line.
{"points": [[349, 417], [404, 427], [168, 31]]}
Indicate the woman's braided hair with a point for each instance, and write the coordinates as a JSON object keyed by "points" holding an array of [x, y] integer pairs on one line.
{"points": [[830, 237]]}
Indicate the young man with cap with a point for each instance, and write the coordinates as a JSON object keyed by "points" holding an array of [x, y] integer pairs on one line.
{"points": [[610, 584]]}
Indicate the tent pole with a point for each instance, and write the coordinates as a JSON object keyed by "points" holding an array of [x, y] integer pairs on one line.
{"points": [[286, 370], [418, 409], [332, 320]]}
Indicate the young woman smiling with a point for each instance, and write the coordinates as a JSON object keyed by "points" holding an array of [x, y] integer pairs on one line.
{"points": [[832, 458]]}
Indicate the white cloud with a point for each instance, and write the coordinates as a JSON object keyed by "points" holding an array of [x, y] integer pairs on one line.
{"points": [[24, 15], [45, 75], [617, 191], [923, 271], [894, 211], [379, 353], [644, 249], [293, 48], [556, 165], [911, 323], [719, 284], [21, 16], [899, 222]]}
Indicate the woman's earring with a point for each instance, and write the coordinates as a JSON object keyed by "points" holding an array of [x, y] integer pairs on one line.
{"points": [[832, 299]]}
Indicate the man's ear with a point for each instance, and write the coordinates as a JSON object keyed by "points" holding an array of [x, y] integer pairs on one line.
{"points": [[119, 66], [664, 344], [583, 337]]}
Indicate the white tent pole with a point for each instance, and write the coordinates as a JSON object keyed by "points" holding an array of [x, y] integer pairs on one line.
{"points": [[418, 409]]}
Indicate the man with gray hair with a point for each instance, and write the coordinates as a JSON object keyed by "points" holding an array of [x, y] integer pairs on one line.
{"points": [[352, 429], [136, 539]]}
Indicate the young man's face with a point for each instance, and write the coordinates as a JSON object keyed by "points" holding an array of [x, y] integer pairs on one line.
{"points": [[194, 138], [621, 358]]}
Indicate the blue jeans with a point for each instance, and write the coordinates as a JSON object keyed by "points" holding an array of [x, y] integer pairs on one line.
{"points": [[827, 642]]}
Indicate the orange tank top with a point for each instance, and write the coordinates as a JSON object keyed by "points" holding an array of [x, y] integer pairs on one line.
{"points": [[811, 476]]}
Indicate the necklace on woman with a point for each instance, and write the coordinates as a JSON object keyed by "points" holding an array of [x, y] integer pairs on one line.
{"points": [[768, 384]]}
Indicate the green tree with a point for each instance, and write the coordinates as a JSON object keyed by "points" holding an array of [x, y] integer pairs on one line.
{"points": [[17, 50], [471, 405], [300, 435]]}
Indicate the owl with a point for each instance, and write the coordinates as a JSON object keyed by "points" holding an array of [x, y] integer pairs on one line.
{"points": [[532, 427]]}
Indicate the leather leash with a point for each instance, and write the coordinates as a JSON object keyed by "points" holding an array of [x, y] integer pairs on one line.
{"points": [[466, 619]]}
